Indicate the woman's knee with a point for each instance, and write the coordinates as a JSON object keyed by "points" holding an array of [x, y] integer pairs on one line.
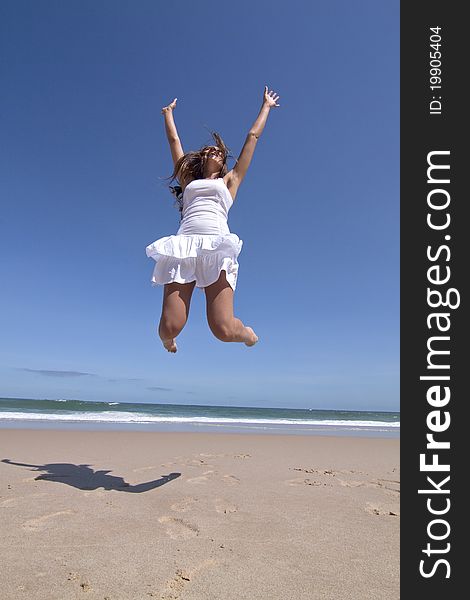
{"points": [[170, 327], [222, 330]]}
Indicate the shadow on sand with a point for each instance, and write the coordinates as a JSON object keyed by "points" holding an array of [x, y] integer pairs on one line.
{"points": [[84, 477]]}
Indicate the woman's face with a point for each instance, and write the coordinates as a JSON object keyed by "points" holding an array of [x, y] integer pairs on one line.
{"points": [[214, 160]]}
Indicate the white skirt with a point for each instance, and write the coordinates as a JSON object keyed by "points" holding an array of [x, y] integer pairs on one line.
{"points": [[200, 258]]}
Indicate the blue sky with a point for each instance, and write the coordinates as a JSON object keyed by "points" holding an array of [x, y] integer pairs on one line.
{"points": [[82, 165]]}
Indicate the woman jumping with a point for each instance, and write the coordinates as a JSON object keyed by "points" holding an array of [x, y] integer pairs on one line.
{"points": [[204, 252]]}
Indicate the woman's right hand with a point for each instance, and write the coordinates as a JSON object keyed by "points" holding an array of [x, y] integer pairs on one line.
{"points": [[170, 107]]}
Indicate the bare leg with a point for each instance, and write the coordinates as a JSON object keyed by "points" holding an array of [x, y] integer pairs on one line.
{"points": [[224, 325], [175, 311]]}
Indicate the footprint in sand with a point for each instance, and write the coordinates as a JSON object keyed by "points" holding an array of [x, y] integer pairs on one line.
{"points": [[40, 523], [8, 502], [196, 462], [201, 478], [224, 507], [230, 480], [325, 475], [11, 501], [389, 486], [316, 471], [351, 483], [175, 586], [331, 472], [184, 505], [178, 529], [381, 510], [85, 585], [307, 481]]}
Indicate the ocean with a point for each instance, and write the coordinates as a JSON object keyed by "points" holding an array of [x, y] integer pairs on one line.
{"points": [[79, 414]]}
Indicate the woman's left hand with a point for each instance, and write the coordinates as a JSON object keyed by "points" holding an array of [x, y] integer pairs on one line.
{"points": [[270, 98]]}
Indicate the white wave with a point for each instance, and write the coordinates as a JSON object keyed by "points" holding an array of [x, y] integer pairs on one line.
{"points": [[128, 417]]}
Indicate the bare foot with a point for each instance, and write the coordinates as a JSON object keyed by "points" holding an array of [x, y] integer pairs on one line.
{"points": [[170, 345], [254, 338]]}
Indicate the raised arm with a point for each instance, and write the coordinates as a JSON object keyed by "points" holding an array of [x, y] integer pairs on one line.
{"points": [[171, 132], [239, 170]]}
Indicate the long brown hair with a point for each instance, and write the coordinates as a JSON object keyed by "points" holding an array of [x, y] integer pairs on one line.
{"points": [[192, 165]]}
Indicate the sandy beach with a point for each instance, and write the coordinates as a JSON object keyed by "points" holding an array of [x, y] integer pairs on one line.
{"points": [[114, 515]]}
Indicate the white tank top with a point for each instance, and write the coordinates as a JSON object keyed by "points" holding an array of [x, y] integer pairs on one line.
{"points": [[206, 203]]}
